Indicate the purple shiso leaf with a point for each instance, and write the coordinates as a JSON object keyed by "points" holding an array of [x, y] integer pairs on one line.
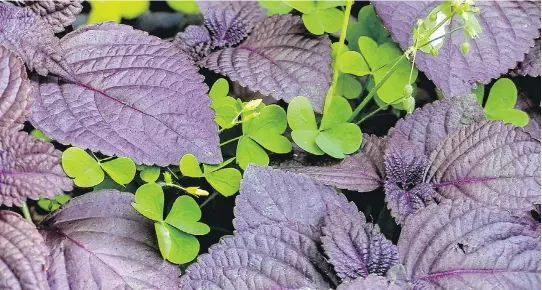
{"points": [[468, 245], [15, 98], [406, 191], [57, 13], [195, 41], [429, 125], [508, 32], [98, 241], [489, 162], [229, 22], [279, 58], [135, 96], [371, 282], [362, 171], [530, 66], [269, 257], [525, 104], [28, 168], [269, 196], [23, 254], [25, 33], [356, 248]]}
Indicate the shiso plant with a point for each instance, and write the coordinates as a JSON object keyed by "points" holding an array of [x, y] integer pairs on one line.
{"points": [[121, 153]]}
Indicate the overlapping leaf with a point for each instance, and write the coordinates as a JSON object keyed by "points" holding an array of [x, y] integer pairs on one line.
{"points": [[268, 257], [23, 258], [530, 66], [57, 13], [356, 248], [525, 104], [465, 245], [26, 34], [280, 59], [28, 168], [508, 32], [135, 96], [195, 41], [15, 90], [362, 171], [99, 241], [371, 282], [489, 162], [270, 195]]}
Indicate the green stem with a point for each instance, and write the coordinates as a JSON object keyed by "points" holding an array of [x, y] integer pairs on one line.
{"points": [[442, 36], [375, 111], [107, 158], [172, 185], [213, 195], [26, 212], [342, 38], [229, 141], [436, 27], [173, 173], [375, 88]]}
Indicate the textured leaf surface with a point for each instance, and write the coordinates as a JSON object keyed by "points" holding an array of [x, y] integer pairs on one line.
{"points": [[14, 91], [428, 126], [23, 258], [525, 104], [28, 168], [279, 58], [508, 32], [269, 257], [464, 245], [98, 241], [135, 96], [356, 248], [406, 191], [229, 22], [372, 282], [195, 41], [57, 13], [26, 34], [489, 162], [530, 66], [270, 195], [362, 171]]}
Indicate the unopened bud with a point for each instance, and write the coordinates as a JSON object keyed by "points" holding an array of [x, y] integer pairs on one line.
{"points": [[419, 22], [167, 177], [197, 191], [407, 91], [465, 47], [409, 104], [434, 51]]}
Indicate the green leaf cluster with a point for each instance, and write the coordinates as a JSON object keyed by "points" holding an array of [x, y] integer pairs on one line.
{"points": [[225, 180], [53, 204], [501, 102], [176, 232], [227, 109], [335, 136], [375, 61], [319, 16], [88, 171], [275, 7], [368, 24], [102, 11]]}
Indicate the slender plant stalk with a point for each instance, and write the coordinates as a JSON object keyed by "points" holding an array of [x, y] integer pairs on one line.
{"points": [[26, 212], [229, 141], [213, 195], [342, 38]]}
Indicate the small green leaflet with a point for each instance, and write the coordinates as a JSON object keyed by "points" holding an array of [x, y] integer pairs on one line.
{"points": [[369, 25], [275, 7], [319, 16], [150, 174], [39, 135], [88, 172], [501, 102], [53, 204], [227, 109], [174, 233], [335, 136], [225, 180]]}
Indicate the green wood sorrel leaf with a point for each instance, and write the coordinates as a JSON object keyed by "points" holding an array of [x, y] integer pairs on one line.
{"points": [[275, 7], [306, 7], [225, 181], [323, 20], [81, 166], [226, 108], [368, 24], [150, 201], [501, 101], [185, 215], [53, 204], [39, 135], [122, 170], [150, 173], [265, 131], [176, 246], [189, 166], [335, 136], [479, 91], [349, 87]]}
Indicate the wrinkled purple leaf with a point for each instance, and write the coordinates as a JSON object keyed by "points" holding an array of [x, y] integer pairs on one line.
{"points": [[530, 66], [57, 13], [362, 171], [14, 91], [372, 282], [279, 58], [467, 245], [406, 191], [268, 257], [508, 32], [525, 104], [23, 254], [98, 241], [270, 196], [28, 168], [429, 125], [25, 33], [135, 96], [229, 22], [490, 162], [194, 41], [356, 248]]}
